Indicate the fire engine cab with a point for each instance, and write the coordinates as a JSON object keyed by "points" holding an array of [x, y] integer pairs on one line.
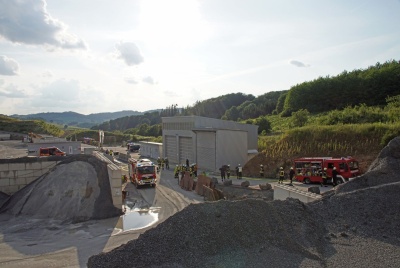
{"points": [[309, 169], [142, 172]]}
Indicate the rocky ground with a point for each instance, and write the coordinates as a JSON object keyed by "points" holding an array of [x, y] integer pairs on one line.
{"points": [[355, 225]]}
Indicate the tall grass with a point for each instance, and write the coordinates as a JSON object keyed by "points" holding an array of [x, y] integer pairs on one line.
{"points": [[335, 141]]}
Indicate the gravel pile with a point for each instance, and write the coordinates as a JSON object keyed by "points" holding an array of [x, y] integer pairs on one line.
{"points": [[355, 225], [77, 189]]}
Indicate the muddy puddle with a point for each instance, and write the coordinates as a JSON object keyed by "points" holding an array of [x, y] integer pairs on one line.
{"points": [[139, 218]]}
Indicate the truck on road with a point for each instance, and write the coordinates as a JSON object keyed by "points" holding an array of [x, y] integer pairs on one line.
{"points": [[142, 172], [309, 169], [48, 151]]}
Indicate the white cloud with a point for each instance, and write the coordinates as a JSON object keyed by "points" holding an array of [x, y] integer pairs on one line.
{"points": [[131, 80], [8, 66], [28, 22], [299, 63], [47, 74], [65, 95], [129, 52], [12, 91], [148, 80]]}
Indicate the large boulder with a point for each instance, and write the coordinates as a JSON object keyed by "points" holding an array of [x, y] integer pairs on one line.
{"points": [[245, 184], [265, 187], [314, 189], [227, 182]]}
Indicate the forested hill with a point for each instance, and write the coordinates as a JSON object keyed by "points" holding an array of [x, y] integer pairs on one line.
{"points": [[369, 86], [76, 119]]}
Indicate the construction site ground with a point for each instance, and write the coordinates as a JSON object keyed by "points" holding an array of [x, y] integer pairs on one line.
{"points": [[250, 232]]}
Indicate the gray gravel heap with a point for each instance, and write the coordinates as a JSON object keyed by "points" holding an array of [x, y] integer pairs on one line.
{"points": [[76, 189], [355, 225]]}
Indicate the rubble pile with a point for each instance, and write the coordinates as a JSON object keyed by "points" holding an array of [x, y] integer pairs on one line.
{"points": [[77, 189], [355, 225]]}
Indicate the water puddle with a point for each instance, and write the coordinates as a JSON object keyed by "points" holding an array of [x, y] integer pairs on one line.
{"points": [[139, 218]]}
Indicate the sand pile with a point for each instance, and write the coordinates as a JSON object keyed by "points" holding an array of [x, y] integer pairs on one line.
{"points": [[75, 190], [357, 225]]}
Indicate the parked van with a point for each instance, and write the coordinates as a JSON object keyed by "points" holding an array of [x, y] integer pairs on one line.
{"points": [[51, 151]]}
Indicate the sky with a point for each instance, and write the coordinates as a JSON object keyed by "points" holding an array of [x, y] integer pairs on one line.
{"points": [[92, 56]]}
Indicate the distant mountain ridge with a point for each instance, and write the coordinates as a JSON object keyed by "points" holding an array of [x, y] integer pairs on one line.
{"points": [[76, 119]]}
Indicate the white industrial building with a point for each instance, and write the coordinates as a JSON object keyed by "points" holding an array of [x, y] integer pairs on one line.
{"points": [[211, 143], [150, 149]]}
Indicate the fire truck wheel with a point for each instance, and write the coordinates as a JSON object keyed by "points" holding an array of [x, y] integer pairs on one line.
{"points": [[307, 181]]}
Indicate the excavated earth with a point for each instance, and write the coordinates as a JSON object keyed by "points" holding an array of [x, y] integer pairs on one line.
{"points": [[355, 225]]}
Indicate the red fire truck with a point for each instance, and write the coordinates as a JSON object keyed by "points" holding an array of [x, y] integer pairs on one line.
{"points": [[309, 169], [142, 172]]}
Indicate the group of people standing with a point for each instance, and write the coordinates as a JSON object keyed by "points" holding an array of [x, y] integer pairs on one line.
{"points": [[162, 163], [181, 169], [226, 172]]}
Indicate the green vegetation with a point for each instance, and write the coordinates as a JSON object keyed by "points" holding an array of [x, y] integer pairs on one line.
{"points": [[25, 126], [370, 86]]}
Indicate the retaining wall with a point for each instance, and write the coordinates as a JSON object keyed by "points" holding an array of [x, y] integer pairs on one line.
{"points": [[17, 173], [282, 192]]}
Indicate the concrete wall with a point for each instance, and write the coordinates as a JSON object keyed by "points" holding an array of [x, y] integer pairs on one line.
{"points": [[282, 192], [17, 173], [115, 176], [231, 148]]}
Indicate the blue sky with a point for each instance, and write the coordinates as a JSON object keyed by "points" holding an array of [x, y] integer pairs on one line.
{"points": [[92, 56]]}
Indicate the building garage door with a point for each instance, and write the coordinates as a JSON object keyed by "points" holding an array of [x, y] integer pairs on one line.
{"points": [[171, 150], [185, 150], [206, 150]]}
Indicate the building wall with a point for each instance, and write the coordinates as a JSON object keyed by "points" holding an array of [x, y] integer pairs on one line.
{"points": [[231, 148], [187, 123], [70, 147], [232, 143], [151, 149]]}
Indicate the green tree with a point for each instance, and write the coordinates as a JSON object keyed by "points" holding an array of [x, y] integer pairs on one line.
{"points": [[143, 129], [300, 118], [264, 126]]}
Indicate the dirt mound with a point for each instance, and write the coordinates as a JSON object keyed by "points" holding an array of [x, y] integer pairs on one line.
{"points": [[224, 228], [77, 189]]}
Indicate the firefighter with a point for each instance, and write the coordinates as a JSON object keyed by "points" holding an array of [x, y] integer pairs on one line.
{"points": [[334, 176], [166, 163], [176, 172], [222, 169], [281, 175], [162, 163], [159, 163], [324, 178], [195, 169], [261, 171], [239, 171], [291, 175], [228, 172]]}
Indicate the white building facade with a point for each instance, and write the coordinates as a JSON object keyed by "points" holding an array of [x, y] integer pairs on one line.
{"points": [[208, 142]]}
